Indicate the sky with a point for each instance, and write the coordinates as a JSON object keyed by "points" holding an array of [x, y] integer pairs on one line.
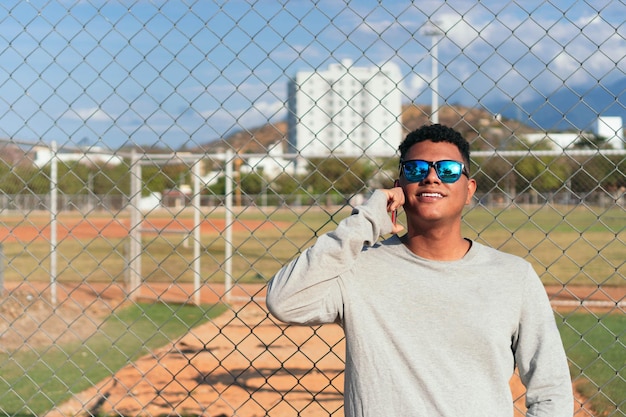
{"points": [[177, 74]]}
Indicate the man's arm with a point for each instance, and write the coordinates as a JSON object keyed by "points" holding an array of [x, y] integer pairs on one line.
{"points": [[307, 291], [540, 356]]}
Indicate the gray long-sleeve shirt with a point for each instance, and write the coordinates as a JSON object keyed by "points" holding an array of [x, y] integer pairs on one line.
{"points": [[427, 338]]}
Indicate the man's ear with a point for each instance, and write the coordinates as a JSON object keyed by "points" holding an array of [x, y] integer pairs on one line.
{"points": [[471, 189]]}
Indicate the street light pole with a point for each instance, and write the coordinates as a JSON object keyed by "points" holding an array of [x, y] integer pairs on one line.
{"points": [[434, 83], [432, 30]]}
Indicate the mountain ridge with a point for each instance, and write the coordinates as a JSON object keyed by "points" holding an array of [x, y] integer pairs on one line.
{"points": [[478, 126], [567, 108]]}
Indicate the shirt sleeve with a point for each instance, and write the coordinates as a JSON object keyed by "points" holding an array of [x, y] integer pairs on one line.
{"points": [[540, 356], [307, 290]]}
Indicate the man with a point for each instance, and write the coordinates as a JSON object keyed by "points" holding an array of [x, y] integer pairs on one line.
{"points": [[434, 322]]}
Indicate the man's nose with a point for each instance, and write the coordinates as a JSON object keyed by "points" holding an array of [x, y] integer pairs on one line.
{"points": [[431, 176]]}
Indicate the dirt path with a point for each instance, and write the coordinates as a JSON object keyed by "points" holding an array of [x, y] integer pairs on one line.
{"points": [[89, 228], [229, 366], [243, 363]]}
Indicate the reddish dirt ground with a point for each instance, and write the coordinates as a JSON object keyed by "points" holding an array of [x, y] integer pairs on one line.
{"points": [[89, 228], [242, 363]]}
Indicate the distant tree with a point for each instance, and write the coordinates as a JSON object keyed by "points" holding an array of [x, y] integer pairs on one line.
{"points": [[592, 142], [23, 179], [598, 171], [518, 174], [252, 183], [158, 178], [542, 174], [285, 184], [112, 179], [345, 176], [219, 188], [493, 173], [10, 183], [73, 177]]}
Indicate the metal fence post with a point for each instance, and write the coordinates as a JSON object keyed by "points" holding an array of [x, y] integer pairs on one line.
{"points": [[134, 262], [1, 270]]}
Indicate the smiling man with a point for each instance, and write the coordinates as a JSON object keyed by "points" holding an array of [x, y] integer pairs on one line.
{"points": [[435, 323]]}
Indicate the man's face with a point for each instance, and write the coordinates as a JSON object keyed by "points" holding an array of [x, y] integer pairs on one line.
{"points": [[431, 199]]}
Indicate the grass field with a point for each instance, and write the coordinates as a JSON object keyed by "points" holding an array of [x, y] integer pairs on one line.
{"points": [[595, 348], [33, 381], [567, 246], [573, 246]]}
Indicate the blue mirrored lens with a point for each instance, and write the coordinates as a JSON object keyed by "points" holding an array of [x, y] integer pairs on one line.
{"points": [[415, 171], [447, 171]]}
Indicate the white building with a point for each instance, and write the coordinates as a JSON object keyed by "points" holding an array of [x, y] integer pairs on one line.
{"points": [[611, 128], [92, 156], [608, 127], [271, 165], [346, 111], [557, 140]]}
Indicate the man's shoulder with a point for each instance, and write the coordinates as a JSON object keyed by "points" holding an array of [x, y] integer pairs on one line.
{"points": [[497, 255], [390, 243], [383, 247]]}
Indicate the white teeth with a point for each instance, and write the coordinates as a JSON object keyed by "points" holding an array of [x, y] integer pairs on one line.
{"points": [[430, 195]]}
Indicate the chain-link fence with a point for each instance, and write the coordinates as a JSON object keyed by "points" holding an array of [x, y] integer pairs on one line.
{"points": [[162, 160]]}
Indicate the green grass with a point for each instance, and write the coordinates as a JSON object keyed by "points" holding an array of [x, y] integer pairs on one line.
{"points": [[32, 382], [566, 245], [596, 347]]}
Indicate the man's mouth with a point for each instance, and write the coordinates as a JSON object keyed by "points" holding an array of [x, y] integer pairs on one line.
{"points": [[430, 195]]}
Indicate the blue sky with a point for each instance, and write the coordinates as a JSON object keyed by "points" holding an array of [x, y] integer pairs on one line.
{"points": [[182, 73]]}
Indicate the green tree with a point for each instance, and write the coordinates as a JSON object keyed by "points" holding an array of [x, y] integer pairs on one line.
{"points": [[160, 178], [73, 178], [592, 142], [598, 170], [345, 176], [219, 188], [10, 181], [112, 180], [494, 173], [23, 179], [542, 174], [252, 183], [285, 184]]}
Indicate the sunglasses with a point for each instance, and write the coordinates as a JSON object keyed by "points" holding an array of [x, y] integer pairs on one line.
{"points": [[447, 171]]}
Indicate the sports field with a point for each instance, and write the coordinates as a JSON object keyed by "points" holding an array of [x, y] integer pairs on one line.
{"points": [[571, 246], [578, 252]]}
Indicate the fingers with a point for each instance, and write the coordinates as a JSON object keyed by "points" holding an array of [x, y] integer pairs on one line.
{"points": [[397, 228], [395, 198]]}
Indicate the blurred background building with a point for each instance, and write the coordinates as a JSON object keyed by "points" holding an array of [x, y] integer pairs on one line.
{"points": [[345, 110]]}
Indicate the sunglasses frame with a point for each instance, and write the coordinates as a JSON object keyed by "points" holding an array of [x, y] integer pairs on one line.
{"points": [[435, 165]]}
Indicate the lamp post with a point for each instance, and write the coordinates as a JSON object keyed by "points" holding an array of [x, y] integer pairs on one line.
{"points": [[433, 31]]}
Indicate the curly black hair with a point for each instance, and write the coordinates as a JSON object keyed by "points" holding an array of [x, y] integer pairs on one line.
{"points": [[436, 133]]}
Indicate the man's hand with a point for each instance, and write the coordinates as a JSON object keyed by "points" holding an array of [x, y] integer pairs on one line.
{"points": [[395, 199]]}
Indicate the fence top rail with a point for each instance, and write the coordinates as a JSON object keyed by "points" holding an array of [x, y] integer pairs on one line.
{"points": [[293, 156], [554, 152], [187, 157]]}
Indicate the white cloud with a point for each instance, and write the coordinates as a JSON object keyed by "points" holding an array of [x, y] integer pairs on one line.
{"points": [[259, 113], [415, 85], [92, 114], [488, 47]]}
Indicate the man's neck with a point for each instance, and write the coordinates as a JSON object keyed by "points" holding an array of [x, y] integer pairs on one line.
{"points": [[437, 245]]}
